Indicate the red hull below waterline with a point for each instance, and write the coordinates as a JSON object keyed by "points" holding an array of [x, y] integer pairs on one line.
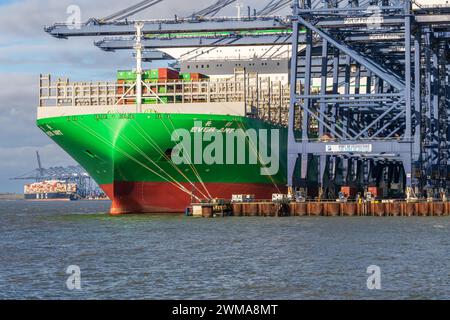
{"points": [[164, 197]]}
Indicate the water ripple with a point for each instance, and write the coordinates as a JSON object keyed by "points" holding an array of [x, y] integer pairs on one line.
{"points": [[150, 257]]}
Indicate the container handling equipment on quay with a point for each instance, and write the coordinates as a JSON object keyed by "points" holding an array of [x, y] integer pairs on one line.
{"points": [[361, 100]]}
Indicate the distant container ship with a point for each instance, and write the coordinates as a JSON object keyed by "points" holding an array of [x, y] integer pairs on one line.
{"points": [[52, 190]]}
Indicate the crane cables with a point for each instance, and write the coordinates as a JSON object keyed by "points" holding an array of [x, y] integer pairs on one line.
{"points": [[273, 6], [132, 10], [213, 9]]}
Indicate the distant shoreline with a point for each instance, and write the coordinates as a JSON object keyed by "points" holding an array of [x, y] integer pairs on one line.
{"points": [[11, 196], [19, 197]]}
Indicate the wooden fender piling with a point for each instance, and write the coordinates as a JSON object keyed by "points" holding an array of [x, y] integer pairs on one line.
{"points": [[298, 209], [332, 209], [422, 209], [265, 209], [349, 209], [361, 209], [250, 209], [315, 208], [377, 209], [438, 209], [409, 209], [237, 209], [394, 209], [207, 211]]}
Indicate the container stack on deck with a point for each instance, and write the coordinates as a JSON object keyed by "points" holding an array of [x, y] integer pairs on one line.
{"points": [[50, 187], [161, 85]]}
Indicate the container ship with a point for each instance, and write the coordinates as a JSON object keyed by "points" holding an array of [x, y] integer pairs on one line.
{"points": [[122, 133], [52, 190]]}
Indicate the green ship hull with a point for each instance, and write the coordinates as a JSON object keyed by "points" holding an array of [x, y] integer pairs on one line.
{"points": [[130, 155]]}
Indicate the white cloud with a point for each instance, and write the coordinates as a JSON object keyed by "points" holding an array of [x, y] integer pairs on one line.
{"points": [[17, 159], [20, 137]]}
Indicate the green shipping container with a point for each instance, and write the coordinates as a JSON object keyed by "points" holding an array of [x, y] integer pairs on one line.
{"points": [[150, 75], [186, 76], [154, 74], [145, 75], [164, 99], [149, 100], [130, 75], [126, 75]]}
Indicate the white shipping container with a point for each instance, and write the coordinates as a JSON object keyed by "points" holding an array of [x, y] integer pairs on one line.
{"points": [[197, 210], [277, 197], [237, 198], [432, 3], [249, 197], [242, 197], [51, 186]]}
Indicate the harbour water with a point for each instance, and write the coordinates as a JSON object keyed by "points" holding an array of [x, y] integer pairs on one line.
{"points": [[167, 257]]}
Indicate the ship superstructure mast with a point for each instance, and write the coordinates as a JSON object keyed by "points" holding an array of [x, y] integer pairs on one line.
{"points": [[138, 48]]}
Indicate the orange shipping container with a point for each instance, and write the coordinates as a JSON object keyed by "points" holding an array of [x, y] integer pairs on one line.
{"points": [[197, 76], [376, 192], [349, 192], [168, 74]]}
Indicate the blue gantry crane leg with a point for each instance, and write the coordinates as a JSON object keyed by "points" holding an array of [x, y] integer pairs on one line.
{"points": [[397, 129]]}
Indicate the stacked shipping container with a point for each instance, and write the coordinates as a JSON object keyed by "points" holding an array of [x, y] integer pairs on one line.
{"points": [[166, 94], [52, 186]]}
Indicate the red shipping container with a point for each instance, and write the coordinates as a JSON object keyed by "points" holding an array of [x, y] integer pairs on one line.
{"points": [[145, 90], [168, 74], [197, 76], [349, 192], [121, 87], [376, 192]]}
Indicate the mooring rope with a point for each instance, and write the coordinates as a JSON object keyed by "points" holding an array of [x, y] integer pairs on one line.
{"points": [[152, 143], [105, 141], [133, 145]]}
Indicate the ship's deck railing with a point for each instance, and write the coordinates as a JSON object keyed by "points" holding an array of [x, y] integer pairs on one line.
{"points": [[269, 98]]}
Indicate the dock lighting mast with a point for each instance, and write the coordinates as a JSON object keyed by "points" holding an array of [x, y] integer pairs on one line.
{"points": [[238, 7], [40, 169], [138, 48]]}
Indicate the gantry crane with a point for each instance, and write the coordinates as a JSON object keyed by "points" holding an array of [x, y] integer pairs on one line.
{"points": [[380, 115], [86, 186]]}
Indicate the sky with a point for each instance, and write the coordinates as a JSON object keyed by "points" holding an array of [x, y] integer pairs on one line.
{"points": [[27, 51]]}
